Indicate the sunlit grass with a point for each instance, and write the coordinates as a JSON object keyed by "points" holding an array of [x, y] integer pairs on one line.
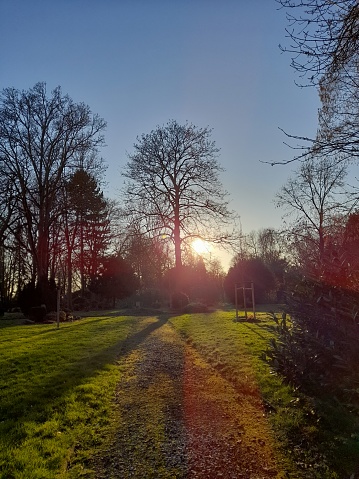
{"points": [[236, 349], [57, 388], [56, 391]]}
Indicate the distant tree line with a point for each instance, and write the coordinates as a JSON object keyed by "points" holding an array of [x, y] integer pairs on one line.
{"points": [[262, 260], [58, 230]]}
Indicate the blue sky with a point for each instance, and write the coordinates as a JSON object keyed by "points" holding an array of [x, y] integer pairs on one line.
{"points": [[140, 63]]}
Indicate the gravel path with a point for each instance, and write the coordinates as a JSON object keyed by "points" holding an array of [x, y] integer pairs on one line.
{"points": [[179, 419]]}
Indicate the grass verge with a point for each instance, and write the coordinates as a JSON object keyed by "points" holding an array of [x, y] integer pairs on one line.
{"points": [[309, 446], [56, 391]]}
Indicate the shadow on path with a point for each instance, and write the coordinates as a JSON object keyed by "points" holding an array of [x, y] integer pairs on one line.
{"points": [[133, 340]]}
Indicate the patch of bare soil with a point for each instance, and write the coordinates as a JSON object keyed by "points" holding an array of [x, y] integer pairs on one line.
{"points": [[178, 418]]}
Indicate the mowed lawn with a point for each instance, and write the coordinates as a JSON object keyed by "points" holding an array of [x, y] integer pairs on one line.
{"points": [[56, 388], [57, 385]]}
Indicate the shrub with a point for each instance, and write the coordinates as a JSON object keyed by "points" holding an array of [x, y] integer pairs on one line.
{"points": [[32, 296], [28, 298], [150, 298], [317, 351], [179, 300], [37, 313], [247, 271], [52, 316]]}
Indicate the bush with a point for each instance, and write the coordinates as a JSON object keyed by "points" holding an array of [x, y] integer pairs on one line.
{"points": [[179, 300], [150, 298], [29, 297], [37, 313], [317, 351], [248, 271], [43, 293], [52, 316]]}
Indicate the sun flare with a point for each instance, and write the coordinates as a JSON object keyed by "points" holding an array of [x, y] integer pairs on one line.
{"points": [[200, 246]]}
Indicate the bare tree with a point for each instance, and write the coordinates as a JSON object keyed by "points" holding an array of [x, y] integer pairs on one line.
{"points": [[270, 247], [314, 198], [173, 187], [149, 259], [323, 35], [42, 138], [264, 243], [324, 45]]}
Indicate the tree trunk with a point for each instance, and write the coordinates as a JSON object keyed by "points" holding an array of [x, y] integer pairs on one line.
{"points": [[82, 261], [177, 232], [177, 242], [69, 282], [42, 255]]}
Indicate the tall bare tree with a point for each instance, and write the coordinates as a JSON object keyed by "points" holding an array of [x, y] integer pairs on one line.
{"points": [[43, 137], [313, 199], [173, 188]]}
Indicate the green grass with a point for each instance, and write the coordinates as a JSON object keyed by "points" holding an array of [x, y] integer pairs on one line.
{"points": [[235, 350], [309, 445], [56, 391], [57, 388]]}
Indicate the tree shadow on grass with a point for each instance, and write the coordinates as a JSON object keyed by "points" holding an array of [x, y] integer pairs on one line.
{"points": [[254, 329], [36, 400]]}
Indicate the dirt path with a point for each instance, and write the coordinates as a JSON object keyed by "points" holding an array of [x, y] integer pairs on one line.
{"points": [[179, 418]]}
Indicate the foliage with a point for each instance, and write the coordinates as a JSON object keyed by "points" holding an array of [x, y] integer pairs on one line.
{"points": [[115, 280], [179, 300], [319, 348], [309, 447], [86, 228], [153, 298], [313, 200], [323, 34], [198, 283], [265, 244], [345, 272], [324, 39], [247, 271], [42, 139], [149, 257], [32, 295], [270, 247], [57, 388], [28, 297], [316, 352]]}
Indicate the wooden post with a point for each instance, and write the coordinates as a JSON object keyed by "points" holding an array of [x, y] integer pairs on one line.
{"points": [[58, 307], [236, 299], [244, 300], [254, 306]]}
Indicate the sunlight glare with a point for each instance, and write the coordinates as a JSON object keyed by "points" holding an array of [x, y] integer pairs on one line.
{"points": [[200, 246]]}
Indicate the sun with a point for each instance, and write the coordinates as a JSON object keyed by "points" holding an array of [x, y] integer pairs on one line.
{"points": [[200, 246]]}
